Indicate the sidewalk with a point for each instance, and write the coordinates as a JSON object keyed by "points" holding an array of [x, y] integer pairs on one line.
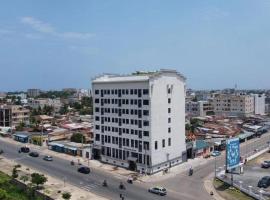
{"points": [[182, 168], [209, 187]]}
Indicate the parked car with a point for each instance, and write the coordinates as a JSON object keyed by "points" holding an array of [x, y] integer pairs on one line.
{"points": [[158, 190], [84, 170], [264, 182], [48, 158], [33, 154], [215, 153], [265, 164], [24, 149]]}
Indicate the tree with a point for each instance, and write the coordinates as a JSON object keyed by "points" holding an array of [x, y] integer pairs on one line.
{"points": [[38, 179], [63, 110], [14, 172], [66, 195], [24, 178], [78, 138], [87, 102], [3, 194]]}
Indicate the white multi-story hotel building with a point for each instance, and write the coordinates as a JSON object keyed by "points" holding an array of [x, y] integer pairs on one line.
{"points": [[140, 120]]}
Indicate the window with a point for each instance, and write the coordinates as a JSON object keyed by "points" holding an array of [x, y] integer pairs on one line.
{"points": [[96, 100], [163, 143], [145, 91], [97, 118], [97, 109], [169, 130], [145, 102], [135, 91], [145, 112], [96, 91], [169, 142], [146, 133], [169, 90], [169, 110], [156, 145], [131, 91], [145, 123], [97, 137], [97, 127], [169, 120]]}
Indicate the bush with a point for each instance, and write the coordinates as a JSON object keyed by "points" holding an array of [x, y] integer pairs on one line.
{"points": [[66, 195]]}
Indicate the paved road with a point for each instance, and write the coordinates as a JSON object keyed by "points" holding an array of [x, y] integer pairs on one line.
{"points": [[61, 168], [192, 187], [180, 187]]}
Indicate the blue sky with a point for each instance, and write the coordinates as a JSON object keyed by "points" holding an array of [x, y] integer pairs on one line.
{"points": [[64, 43]]}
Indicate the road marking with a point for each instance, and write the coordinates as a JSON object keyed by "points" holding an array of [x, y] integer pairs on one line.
{"points": [[90, 187]]}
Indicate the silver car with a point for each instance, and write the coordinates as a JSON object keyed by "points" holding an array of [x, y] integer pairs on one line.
{"points": [[48, 158], [158, 190]]}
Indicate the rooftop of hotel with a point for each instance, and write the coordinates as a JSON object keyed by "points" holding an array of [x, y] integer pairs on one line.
{"points": [[136, 76]]}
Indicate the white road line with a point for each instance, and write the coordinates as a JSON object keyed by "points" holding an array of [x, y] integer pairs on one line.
{"points": [[90, 186]]}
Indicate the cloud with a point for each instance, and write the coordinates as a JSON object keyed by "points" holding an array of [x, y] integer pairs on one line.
{"points": [[47, 28]]}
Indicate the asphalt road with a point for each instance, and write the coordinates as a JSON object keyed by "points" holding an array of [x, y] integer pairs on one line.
{"points": [[92, 182], [192, 187], [180, 187]]}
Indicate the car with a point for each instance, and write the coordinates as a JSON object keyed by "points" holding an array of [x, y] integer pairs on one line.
{"points": [[48, 158], [84, 170], [264, 182], [265, 164], [215, 153], [158, 190], [25, 149], [33, 154]]}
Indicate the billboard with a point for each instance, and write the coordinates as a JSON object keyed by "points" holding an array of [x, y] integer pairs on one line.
{"points": [[232, 153]]}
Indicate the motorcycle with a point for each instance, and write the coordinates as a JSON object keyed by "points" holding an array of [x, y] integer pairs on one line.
{"points": [[190, 173], [130, 180], [121, 186], [104, 184]]}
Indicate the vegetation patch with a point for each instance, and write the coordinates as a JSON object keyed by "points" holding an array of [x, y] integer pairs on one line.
{"points": [[228, 192]]}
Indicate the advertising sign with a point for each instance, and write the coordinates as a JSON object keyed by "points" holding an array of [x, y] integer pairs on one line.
{"points": [[232, 153]]}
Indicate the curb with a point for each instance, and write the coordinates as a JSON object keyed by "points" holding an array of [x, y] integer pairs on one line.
{"points": [[209, 187]]}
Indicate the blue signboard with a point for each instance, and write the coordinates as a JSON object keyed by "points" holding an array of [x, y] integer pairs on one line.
{"points": [[232, 153]]}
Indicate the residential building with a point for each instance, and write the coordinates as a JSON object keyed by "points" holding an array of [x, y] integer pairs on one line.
{"points": [[233, 104], [13, 115], [192, 109], [41, 102], [33, 92], [139, 120], [259, 104], [5, 116], [19, 115], [199, 108]]}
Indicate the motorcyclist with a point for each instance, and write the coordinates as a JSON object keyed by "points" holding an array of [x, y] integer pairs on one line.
{"points": [[190, 171], [105, 183]]}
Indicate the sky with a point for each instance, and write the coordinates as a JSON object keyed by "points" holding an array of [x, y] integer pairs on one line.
{"points": [[65, 43]]}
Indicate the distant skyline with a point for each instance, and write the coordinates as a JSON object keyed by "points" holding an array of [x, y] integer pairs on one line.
{"points": [[64, 43]]}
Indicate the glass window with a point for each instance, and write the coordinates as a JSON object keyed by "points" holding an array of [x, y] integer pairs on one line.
{"points": [[169, 142], [163, 143], [145, 102], [156, 145], [145, 91], [96, 91], [169, 100]]}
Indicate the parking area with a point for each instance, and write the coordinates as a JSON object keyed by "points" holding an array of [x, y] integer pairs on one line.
{"points": [[253, 172]]}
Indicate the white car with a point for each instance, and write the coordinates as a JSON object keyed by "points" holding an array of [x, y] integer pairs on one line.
{"points": [[158, 190]]}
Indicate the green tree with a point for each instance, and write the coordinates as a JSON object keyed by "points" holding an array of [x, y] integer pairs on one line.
{"points": [[38, 179], [66, 195], [14, 172], [78, 138], [63, 110], [24, 178], [3, 195], [87, 102]]}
